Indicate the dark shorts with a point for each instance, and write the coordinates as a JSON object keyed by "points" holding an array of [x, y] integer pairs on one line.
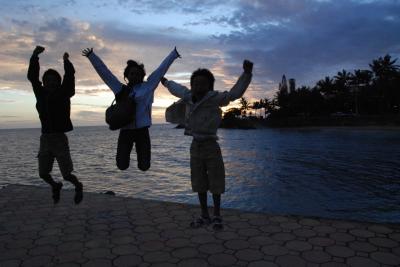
{"points": [[54, 146], [207, 167], [141, 139]]}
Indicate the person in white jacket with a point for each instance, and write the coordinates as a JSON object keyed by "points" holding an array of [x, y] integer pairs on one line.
{"points": [[202, 118], [142, 92]]}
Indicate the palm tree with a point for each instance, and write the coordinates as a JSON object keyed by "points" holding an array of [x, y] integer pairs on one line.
{"points": [[244, 105], [326, 86]]}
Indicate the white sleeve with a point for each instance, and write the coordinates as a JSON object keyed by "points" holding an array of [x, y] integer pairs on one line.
{"points": [[105, 74], [237, 90], [178, 90]]}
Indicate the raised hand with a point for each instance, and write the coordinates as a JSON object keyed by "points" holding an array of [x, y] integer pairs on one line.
{"points": [[176, 51], [65, 56], [38, 49], [247, 66], [87, 51]]}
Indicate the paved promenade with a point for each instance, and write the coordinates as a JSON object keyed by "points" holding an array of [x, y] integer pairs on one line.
{"points": [[114, 231]]}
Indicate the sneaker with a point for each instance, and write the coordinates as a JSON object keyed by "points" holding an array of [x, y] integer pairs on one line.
{"points": [[56, 189], [217, 223], [78, 193], [200, 221]]}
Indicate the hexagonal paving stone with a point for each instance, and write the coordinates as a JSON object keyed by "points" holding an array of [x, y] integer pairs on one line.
{"points": [[362, 246], [236, 244], [386, 258], [98, 263], [249, 255], [383, 242], [261, 240], [125, 250], [262, 264], [321, 241], [211, 248], [340, 251], [316, 256], [10, 263], [177, 242], [290, 261], [98, 253], [274, 250], [185, 253], [361, 262], [193, 263], [248, 232], [342, 237], [37, 261], [283, 236], [157, 256], [222, 259], [362, 233], [225, 235], [298, 245], [127, 260], [381, 229]]}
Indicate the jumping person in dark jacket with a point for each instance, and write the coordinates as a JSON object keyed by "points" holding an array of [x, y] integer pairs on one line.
{"points": [[54, 106]]}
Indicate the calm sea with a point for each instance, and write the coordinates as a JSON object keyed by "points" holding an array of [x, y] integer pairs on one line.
{"points": [[349, 173]]}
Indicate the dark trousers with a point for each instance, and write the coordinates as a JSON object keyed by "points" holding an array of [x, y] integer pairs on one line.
{"points": [[141, 138]]}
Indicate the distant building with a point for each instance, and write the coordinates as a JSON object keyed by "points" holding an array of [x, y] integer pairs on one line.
{"points": [[292, 85], [283, 87]]}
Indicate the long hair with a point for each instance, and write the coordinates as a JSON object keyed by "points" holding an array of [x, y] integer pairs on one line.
{"points": [[206, 73], [133, 64]]}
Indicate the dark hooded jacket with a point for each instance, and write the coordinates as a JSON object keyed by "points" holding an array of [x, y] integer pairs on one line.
{"points": [[54, 107]]}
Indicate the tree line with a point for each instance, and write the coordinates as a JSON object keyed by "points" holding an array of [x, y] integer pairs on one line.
{"points": [[373, 91]]}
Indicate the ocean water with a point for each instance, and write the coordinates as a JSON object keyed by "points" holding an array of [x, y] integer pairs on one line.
{"points": [[348, 173]]}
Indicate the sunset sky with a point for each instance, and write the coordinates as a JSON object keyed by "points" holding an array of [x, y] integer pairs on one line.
{"points": [[304, 39]]}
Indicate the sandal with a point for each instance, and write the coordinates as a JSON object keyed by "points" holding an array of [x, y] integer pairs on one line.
{"points": [[199, 222], [217, 223]]}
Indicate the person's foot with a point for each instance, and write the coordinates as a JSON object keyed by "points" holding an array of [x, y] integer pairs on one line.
{"points": [[56, 189], [200, 221], [217, 223], [78, 193]]}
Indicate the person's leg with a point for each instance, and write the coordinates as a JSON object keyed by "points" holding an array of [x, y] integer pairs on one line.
{"points": [[216, 175], [63, 156], [46, 161], [199, 183], [203, 205], [217, 204], [143, 148], [125, 144]]}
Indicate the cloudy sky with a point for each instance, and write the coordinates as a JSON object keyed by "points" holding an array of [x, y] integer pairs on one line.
{"points": [[304, 39]]}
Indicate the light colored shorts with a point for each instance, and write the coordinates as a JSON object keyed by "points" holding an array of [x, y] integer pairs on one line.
{"points": [[207, 167], [54, 146]]}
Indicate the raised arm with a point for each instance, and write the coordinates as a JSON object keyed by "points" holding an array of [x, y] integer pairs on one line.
{"points": [[240, 86], [101, 69], [155, 77], [34, 68], [177, 89], [68, 84]]}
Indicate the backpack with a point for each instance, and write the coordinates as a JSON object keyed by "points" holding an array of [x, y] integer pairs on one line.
{"points": [[122, 110]]}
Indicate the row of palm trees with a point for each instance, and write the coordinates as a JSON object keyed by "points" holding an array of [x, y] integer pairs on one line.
{"points": [[375, 91]]}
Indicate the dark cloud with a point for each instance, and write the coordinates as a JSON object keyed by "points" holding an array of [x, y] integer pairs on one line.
{"points": [[309, 39]]}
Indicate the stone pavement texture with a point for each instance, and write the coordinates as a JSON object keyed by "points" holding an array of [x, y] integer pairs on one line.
{"points": [[108, 230]]}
